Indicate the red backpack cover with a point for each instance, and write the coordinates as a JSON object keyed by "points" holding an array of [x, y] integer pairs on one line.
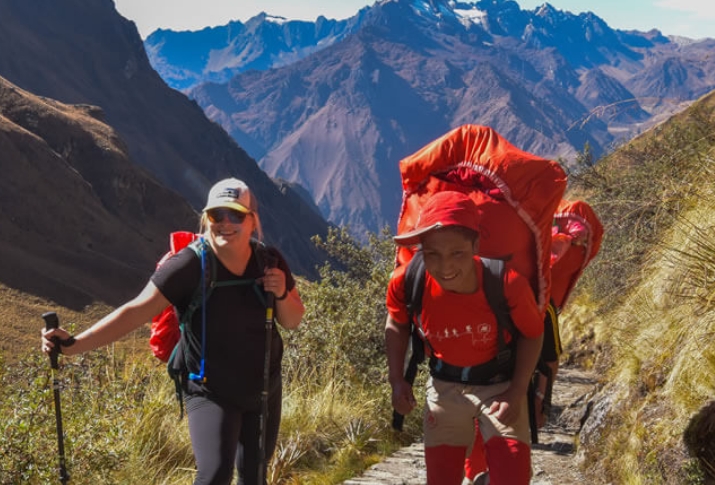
{"points": [[516, 192], [578, 222], [165, 331]]}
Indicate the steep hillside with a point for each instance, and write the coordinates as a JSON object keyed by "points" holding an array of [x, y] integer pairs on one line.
{"points": [[84, 52], [79, 222], [339, 120], [644, 318]]}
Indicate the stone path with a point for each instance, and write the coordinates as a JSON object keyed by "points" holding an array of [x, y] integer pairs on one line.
{"points": [[405, 467], [553, 460]]}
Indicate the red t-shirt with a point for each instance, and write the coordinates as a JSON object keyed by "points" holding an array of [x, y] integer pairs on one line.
{"points": [[461, 328]]}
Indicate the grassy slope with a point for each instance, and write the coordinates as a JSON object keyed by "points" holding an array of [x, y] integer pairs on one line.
{"points": [[645, 315]]}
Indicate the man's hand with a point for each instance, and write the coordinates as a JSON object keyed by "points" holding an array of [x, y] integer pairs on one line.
{"points": [[403, 400], [507, 406]]}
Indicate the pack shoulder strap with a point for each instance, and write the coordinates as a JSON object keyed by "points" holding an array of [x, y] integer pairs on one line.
{"points": [[207, 279], [414, 287], [493, 287], [494, 291], [414, 291]]}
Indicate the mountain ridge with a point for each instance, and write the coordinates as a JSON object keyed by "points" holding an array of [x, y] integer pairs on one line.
{"points": [[423, 68], [84, 52], [79, 222]]}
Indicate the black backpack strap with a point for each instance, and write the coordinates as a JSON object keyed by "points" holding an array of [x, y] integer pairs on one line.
{"points": [[494, 291], [264, 259], [414, 291], [493, 287]]}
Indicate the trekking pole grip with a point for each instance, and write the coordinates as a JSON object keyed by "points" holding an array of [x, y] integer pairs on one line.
{"points": [[51, 322]]}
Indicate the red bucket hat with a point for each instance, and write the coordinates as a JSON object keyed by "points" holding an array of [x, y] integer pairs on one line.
{"points": [[444, 209]]}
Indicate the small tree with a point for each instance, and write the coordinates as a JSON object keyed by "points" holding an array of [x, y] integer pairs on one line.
{"points": [[343, 330]]}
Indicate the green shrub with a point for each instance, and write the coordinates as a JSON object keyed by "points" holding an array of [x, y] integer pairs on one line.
{"points": [[342, 334]]}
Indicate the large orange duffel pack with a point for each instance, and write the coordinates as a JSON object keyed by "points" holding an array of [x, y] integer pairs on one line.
{"points": [[517, 193]]}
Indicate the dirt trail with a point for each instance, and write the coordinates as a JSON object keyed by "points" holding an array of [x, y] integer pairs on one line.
{"points": [[553, 459]]}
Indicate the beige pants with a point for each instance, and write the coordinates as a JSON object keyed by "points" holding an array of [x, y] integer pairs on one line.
{"points": [[451, 410]]}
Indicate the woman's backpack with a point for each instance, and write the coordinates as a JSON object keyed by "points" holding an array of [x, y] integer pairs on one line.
{"points": [[165, 332]]}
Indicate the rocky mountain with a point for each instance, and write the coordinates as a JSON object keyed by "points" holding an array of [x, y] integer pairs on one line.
{"points": [[216, 54], [84, 52], [403, 72], [79, 221]]}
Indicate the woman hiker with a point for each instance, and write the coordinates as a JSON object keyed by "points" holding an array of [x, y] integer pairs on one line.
{"points": [[224, 404]]}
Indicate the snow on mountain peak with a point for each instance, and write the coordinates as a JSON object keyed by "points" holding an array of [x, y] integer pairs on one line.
{"points": [[466, 13]]}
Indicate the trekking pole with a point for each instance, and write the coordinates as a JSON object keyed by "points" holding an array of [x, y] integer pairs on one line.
{"points": [[51, 322], [270, 299]]}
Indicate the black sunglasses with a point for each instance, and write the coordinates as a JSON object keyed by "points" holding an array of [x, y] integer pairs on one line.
{"points": [[218, 214]]}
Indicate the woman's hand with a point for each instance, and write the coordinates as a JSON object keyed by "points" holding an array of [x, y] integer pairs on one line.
{"points": [[111, 328], [274, 280], [48, 341]]}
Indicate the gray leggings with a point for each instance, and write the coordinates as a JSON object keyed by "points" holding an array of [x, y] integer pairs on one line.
{"points": [[224, 437]]}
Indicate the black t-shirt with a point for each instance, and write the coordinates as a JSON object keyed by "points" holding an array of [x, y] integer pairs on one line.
{"points": [[235, 325]]}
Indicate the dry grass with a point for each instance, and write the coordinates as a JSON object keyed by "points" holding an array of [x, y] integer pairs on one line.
{"points": [[122, 424], [661, 351], [21, 317], [644, 313]]}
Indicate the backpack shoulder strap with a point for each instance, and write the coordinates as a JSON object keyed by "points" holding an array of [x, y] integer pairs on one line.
{"points": [[414, 285], [493, 287], [207, 280], [264, 259]]}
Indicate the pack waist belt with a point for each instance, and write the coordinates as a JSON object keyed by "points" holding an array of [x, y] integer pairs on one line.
{"points": [[478, 375]]}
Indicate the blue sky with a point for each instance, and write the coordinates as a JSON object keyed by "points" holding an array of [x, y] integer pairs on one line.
{"points": [[690, 18]]}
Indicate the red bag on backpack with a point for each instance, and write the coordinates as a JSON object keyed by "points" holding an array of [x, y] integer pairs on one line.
{"points": [[165, 331], [578, 226], [517, 194]]}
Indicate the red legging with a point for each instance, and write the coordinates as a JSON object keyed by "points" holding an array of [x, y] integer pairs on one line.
{"points": [[509, 463], [476, 462]]}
